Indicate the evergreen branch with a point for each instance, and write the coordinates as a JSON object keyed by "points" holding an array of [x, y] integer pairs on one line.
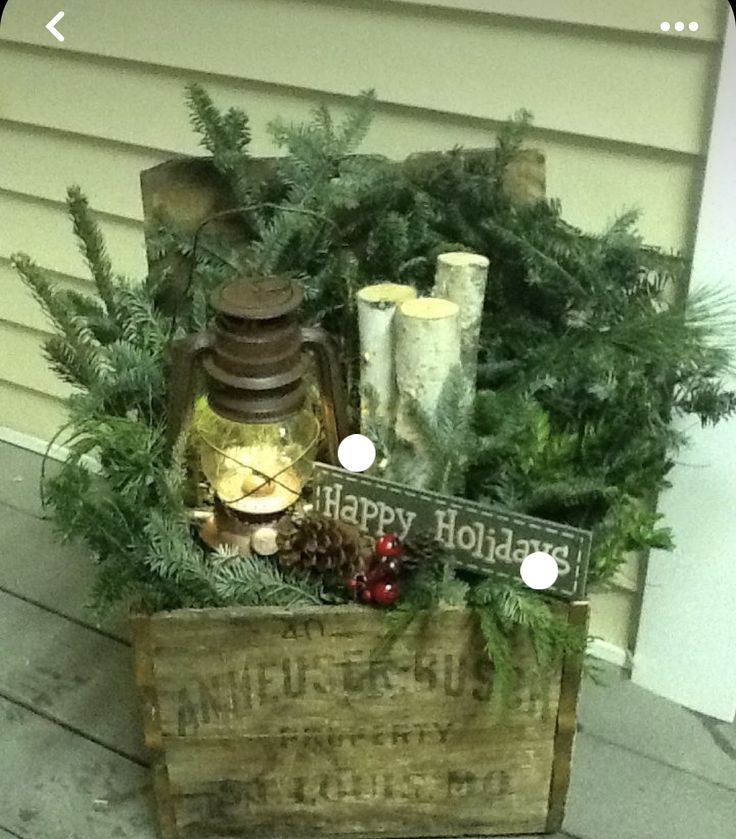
{"points": [[356, 125], [73, 354], [36, 279], [444, 438], [258, 581], [508, 143], [73, 365], [210, 251], [703, 331], [569, 493], [499, 652], [505, 608], [533, 254], [223, 135], [226, 137], [92, 246]]}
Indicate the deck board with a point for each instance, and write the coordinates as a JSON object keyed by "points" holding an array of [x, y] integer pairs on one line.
{"points": [[71, 788], [5, 834], [72, 674], [20, 478], [50, 574]]}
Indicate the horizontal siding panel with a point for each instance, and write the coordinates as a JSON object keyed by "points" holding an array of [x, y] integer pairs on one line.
{"points": [[32, 413], [624, 15], [19, 306], [43, 230], [92, 84], [39, 163], [22, 362], [593, 180], [590, 85], [594, 184], [612, 614], [629, 574], [140, 92]]}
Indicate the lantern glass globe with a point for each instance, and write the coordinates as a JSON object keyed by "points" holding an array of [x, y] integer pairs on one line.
{"points": [[256, 468]]}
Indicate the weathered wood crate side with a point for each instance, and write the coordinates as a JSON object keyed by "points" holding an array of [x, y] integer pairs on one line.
{"points": [[268, 722]]}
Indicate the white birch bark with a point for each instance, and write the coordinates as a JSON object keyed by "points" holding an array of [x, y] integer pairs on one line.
{"points": [[427, 352], [462, 278], [376, 309]]}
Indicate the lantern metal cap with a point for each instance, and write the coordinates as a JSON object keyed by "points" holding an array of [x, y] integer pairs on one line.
{"points": [[258, 298]]}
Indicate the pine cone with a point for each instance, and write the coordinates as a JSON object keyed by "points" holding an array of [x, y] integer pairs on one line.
{"points": [[317, 543], [421, 549]]}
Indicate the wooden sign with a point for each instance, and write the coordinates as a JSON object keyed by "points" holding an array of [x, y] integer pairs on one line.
{"points": [[483, 540]]}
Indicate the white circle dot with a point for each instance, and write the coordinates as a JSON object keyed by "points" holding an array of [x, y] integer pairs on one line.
{"points": [[679, 26], [539, 570], [693, 26], [665, 26], [356, 453]]}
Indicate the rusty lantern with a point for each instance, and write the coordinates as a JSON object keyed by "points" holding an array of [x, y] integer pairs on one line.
{"points": [[255, 429]]}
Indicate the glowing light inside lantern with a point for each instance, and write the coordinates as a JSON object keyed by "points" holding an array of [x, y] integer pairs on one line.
{"points": [[257, 480], [256, 468]]}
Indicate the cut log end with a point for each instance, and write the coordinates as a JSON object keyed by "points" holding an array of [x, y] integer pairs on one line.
{"points": [[429, 308], [463, 259], [386, 293]]}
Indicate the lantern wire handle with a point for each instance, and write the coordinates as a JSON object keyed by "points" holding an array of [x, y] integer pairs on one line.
{"points": [[225, 214]]}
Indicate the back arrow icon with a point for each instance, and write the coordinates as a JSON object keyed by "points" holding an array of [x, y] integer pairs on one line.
{"points": [[51, 26]]}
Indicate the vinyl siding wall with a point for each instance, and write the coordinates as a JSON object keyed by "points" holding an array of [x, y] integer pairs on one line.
{"points": [[622, 113]]}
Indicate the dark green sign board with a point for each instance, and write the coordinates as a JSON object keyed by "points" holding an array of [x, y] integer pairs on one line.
{"points": [[483, 540]]}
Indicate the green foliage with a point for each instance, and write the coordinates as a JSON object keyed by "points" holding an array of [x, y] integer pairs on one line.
{"points": [[226, 137], [507, 614], [119, 489], [257, 581], [128, 506], [585, 360], [505, 611], [585, 356]]}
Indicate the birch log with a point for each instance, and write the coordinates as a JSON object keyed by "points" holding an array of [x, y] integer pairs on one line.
{"points": [[461, 278], [427, 352], [376, 309]]}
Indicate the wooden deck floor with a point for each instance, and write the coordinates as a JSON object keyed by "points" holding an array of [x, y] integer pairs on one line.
{"points": [[72, 765]]}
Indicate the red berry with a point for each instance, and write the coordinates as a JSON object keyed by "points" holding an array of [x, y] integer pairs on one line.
{"points": [[384, 593], [366, 596], [388, 545], [352, 583]]}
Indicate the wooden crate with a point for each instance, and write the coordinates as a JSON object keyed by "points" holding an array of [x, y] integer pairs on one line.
{"points": [[268, 722]]}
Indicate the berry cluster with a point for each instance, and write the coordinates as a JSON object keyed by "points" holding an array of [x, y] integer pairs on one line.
{"points": [[380, 583]]}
